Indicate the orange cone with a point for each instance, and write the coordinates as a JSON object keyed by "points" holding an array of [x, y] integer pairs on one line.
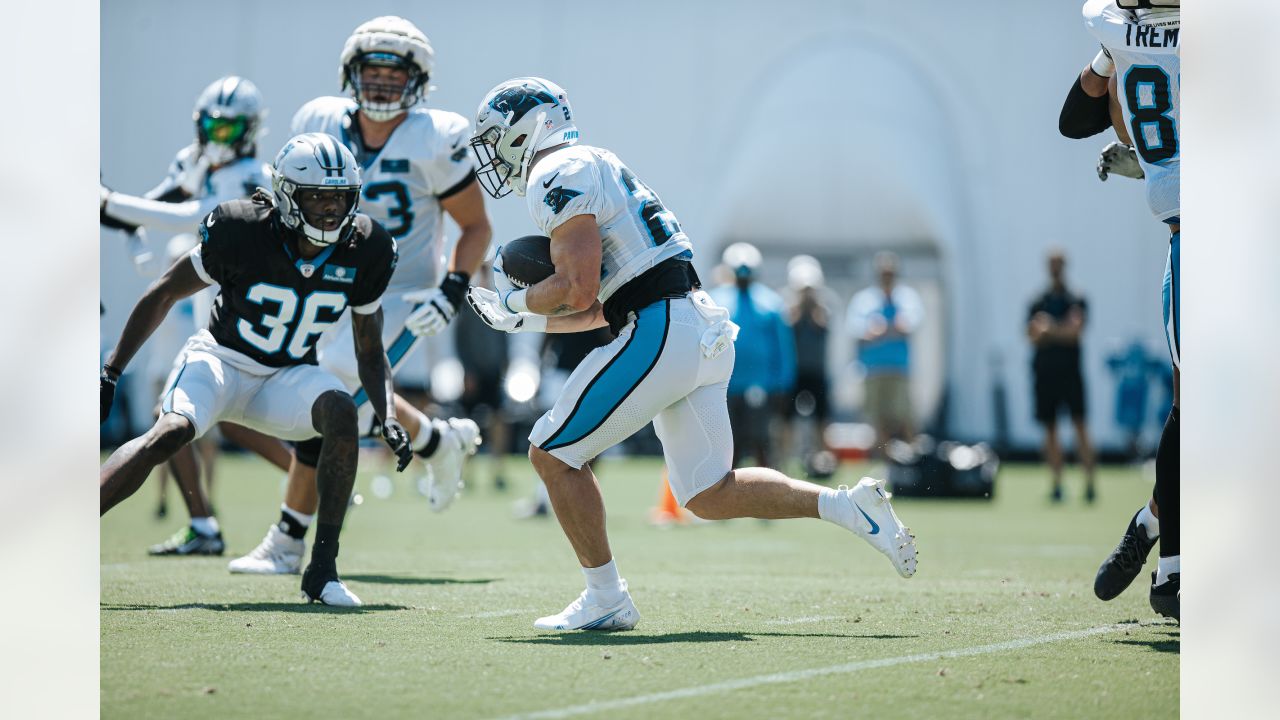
{"points": [[668, 511]]}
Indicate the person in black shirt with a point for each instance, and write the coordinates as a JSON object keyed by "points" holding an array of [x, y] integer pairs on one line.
{"points": [[287, 264], [1054, 324]]}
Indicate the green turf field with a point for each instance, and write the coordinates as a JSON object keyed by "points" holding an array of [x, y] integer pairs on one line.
{"points": [[740, 619]]}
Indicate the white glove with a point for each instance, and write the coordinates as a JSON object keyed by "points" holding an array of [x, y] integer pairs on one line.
{"points": [[489, 307], [191, 178], [501, 282], [1119, 159], [433, 315], [103, 194]]}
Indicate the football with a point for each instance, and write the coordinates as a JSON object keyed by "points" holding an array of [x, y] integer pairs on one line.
{"points": [[526, 261]]}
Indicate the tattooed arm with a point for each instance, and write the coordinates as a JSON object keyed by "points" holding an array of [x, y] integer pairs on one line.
{"points": [[575, 251]]}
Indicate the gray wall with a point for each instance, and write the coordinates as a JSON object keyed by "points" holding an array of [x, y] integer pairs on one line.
{"points": [[819, 127]]}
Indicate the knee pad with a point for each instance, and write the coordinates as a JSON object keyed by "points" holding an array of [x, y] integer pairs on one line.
{"points": [[307, 452]]}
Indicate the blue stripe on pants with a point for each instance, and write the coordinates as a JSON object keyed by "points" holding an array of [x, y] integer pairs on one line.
{"points": [[615, 383], [399, 348], [1169, 294], [167, 405]]}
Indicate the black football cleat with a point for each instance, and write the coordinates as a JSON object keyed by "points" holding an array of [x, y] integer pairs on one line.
{"points": [[189, 542], [1166, 598], [1124, 563]]}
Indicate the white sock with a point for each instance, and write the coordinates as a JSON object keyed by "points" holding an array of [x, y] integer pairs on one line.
{"points": [[827, 500], [303, 520], [1168, 566], [426, 429], [1151, 522], [604, 583], [205, 525]]}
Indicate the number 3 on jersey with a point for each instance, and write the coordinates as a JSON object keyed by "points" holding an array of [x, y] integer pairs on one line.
{"points": [[277, 324], [1152, 128], [401, 210]]}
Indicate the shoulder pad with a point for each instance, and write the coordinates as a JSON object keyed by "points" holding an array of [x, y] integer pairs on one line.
{"points": [[363, 224]]}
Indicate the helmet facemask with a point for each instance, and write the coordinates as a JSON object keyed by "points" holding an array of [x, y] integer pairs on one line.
{"points": [[393, 99], [495, 171], [324, 221]]}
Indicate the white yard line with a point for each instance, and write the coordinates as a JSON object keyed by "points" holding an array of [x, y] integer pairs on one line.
{"points": [[797, 675]]}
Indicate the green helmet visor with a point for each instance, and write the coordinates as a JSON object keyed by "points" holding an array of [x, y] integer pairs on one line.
{"points": [[223, 130]]}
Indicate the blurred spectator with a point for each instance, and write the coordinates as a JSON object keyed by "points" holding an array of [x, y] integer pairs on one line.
{"points": [[1055, 322], [484, 356], [764, 371], [810, 317], [1133, 368], [882, 319]]}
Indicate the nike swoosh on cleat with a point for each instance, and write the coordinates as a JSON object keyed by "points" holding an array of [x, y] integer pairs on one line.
{"points": [[598, 623], [551, 179], [874, 527]]}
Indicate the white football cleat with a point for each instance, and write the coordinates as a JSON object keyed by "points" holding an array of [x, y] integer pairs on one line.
{"points": [[334, 593], [277, 554], [585, 614], [459, 438], [865, 510]]}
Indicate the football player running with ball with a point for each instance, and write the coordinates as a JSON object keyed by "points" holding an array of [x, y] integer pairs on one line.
{"points": [[287, 264], [1140, 60], [416, 168], [621, 260]]}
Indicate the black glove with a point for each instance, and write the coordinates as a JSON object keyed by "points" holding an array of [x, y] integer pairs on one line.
{"points": [[107, 390], [454, 287], [397, 439]]}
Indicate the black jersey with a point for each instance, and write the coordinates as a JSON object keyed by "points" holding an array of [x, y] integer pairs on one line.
{"points": [[1057, 356], [273, 305]]}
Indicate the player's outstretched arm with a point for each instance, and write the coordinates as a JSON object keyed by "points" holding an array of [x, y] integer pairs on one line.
{"points": [[178, 282], [375, 375]]}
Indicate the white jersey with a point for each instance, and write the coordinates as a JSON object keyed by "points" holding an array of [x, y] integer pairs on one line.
{"points": [[426, 159], [1148, 74], [636, 230], [167, 207]]}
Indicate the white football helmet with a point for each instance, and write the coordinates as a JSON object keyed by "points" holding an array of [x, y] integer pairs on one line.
{"points": [[228, 118], [743, 259], [516, 119], [392, 42], [316, 162]]}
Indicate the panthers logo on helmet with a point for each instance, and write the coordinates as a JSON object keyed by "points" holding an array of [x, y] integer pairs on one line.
{"points": [[559, 197], [520, 100]]}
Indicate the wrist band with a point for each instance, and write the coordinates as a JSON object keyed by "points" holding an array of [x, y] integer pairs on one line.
{"points": [[1103, 65], [514, 301]]}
